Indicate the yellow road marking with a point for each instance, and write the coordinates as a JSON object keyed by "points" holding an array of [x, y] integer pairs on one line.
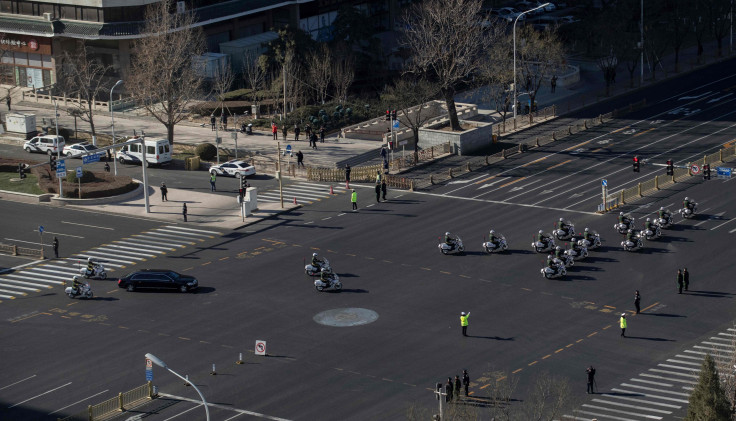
{"points": [[559, 350], [183, 338], [526, 289], [569, 345], [446, 273], [606, 327], [609, 306], [516, 371], [577, 146], [546, 356], [579, 340], [123, 327], [205, 264], [560, 164], [485, 179], [532, 363], [225, 258], [484, 386], [593, 334], [465, 276], [500, 378], [33, 315], [351, 255], [645, 131], [618, 130], [647, 308], [535, 161], [511, 182], [190, 268]]}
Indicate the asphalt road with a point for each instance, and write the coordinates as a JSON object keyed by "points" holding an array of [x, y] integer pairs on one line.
{"points": [[60, 355]]}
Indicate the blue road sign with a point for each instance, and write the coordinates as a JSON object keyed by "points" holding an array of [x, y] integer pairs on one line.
{"points": [[149, 375], [396, 124], [61, 165], [604, 183], [90, 158], [288, 149], [79, 172], [724, 171], [40, 229]]}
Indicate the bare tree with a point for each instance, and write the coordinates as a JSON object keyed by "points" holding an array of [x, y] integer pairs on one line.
{"points": [[82, 76], [446, 38], [320, 71], [221, 84], [253, 73], [342, 77], [549, 397], [292, 70], [718, 20], [165, 76], [676, 12], [540, 56], [406, 93], [496, 73]]}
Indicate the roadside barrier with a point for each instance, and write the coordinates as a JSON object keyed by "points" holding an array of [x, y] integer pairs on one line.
{"points": [[22, 251], [124, 401]]}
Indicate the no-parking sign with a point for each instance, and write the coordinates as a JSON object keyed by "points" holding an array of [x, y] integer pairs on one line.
{"points": [[260, 347], [695, 169]]}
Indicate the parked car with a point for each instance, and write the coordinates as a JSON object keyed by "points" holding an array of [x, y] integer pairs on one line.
{"points": [[528, 5], [158, 152], [548, 8], [233, 168], [507, 13], [158, 279], [50, 145], [78, 149]]}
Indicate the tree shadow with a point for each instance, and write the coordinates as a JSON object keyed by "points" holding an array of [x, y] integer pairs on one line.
{"points": [[715, 294], [596, 259], [650, 339]]}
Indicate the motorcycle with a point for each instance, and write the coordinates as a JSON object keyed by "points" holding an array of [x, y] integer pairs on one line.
{"points": [[315, 270], [565, 234], [489, 247], [540, 247], [566, 259], [663, 222], [446, 248], [97, 272], [332, 282], [85, 291], [575, 255], [595, 243], [653, 234], [689, 213], [558, 272], [623, 228], [632, 245]]}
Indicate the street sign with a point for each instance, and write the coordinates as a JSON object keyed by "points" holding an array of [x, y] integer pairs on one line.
{"points": [[79, 172], [149, 375], [234, 135], [724, 171], [288, 150], [695, 169], [260, 347], [396, 124], [218, 140], [149, 364], [403, 142], [40, 229], [90, 158], [604, 183], [60, 168]]}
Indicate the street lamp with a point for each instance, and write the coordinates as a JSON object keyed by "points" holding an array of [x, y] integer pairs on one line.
{"points": [[58, 148], [112, 117], [154, 359], [516, 20]]}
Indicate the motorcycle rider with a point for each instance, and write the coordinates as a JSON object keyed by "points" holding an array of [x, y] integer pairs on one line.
{"points": [[325, 277], [588, 236], [316, 262], [631, 238], [449, 240], [623, 219], [494, 239], [576, 247], [564, 226], [663, 214], [560, 253], [551, 263], [90, 266], [543, 238], [77, 285], [688, 204], [649, 227]]}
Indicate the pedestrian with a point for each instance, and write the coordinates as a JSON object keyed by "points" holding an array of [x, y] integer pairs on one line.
{"points": [[553, 83], [622, 323], [637, 301], [299, 158], [680, 281], [385, 166], [686, 278], [213, 121], [296, 132], [448, 390], [378, 177], [164, 192], [275, 131], [464, 322], [223, 118], [383, 189], [184, 211], [56, 247], [109, 155], [383, 152], [7, 100], [322, 134], [308, 131], [213, 178], [107, 167], [313, 140], [347, 176], [378, 193], [285, 131], [591, 379], [466, 381], [458, 385], [354, 199]]}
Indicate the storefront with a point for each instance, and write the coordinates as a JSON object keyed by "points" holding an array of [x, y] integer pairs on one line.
{"points": [[27, 60]]}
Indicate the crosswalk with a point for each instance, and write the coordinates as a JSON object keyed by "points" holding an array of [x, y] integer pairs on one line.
{"points": [[115, 255], [660, 393], [304, 193]]}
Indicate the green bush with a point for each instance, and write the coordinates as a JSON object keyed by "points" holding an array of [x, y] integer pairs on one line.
{"points": [[206, 151], [87, 176]]}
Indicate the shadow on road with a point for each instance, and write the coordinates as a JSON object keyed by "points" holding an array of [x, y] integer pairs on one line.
{"points": [[498, 338], [650, 339], [662, 314]]}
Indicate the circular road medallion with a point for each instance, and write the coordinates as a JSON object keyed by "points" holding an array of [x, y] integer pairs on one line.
{"points": [[342, 317]]}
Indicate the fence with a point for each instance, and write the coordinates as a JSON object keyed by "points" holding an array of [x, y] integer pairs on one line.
{"points": [[524, 120], [21, 251], [424, 155], [120, 403], [628, 195]]}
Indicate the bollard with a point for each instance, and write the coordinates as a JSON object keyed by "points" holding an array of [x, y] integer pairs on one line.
{"points": [[503, 153], [431, 179], [536, 141], [569, 129], [720, 155], [554, 136], [213, 372], [186, 383], [656, 182], [120, 401], [411, 185], [240, 359], [450, 171], [331, 191], [295, 200], [467, 166], [638, 190]]}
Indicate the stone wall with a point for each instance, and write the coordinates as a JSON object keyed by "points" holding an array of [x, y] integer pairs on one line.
{"points": [[461, 143]]}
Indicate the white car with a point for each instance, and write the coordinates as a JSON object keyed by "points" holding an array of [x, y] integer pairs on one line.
{"points": [[508, 13], [548, 8], [234, 168], [50, 145], [78, 149]]}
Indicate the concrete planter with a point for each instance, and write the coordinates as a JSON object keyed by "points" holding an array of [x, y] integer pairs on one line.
{"points": [[465, 142]]}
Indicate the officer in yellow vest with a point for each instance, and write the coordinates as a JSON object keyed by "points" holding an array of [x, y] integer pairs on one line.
{"points": [[354, 199], [464, 322], [622, 323]]}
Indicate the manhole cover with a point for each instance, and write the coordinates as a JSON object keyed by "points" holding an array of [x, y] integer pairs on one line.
{"points": [[342, 317]]}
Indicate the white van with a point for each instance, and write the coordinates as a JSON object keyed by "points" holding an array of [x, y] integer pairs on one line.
{"points": [[48, 144], [158, 152]]}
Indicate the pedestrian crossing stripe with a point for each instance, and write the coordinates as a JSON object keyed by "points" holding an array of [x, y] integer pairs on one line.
{"points": [[302, 191], [115, 255]]}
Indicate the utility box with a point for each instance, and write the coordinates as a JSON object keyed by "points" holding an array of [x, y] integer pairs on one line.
{"points": [[191, 163], [21, 123]]}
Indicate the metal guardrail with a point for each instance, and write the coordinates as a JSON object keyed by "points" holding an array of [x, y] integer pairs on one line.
{"points": [[364, 174], [122, 402]]}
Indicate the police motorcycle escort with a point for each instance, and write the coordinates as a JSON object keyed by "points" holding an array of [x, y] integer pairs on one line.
{"points": [[327, 279], [545, 243], [93, 270], [79, 289], [576, 250], [451, 244], [651, 230], [317, 265], [689, 207], [496, 242], [625, 223], [565, 230], [554, 269], [591, 239], [632, 242], [664, 218], [562, 256]]}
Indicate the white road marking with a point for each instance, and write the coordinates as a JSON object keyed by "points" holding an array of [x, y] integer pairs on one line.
{"points": [[228, 408], [89, 397], [709, 219], [524, 205], [58, 233], [720, 225], [193, 229], [182, 233], [85, 225], [22, 241], [694, 97], [19, 381], [145, 246], [44, 393]]}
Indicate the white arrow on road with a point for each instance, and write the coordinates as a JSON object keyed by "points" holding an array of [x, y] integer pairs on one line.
{"points": [[720, 98], [490, 184], [546, 191], [693, 97], [572, 196], [516, 188], [467, 181]]}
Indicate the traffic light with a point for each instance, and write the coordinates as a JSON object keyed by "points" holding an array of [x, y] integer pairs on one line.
{"points": [[706, 172], [52, 162], [670, 168], [388, 115], [636, 164], [393, 115], [21, 171], [243, 183]]}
